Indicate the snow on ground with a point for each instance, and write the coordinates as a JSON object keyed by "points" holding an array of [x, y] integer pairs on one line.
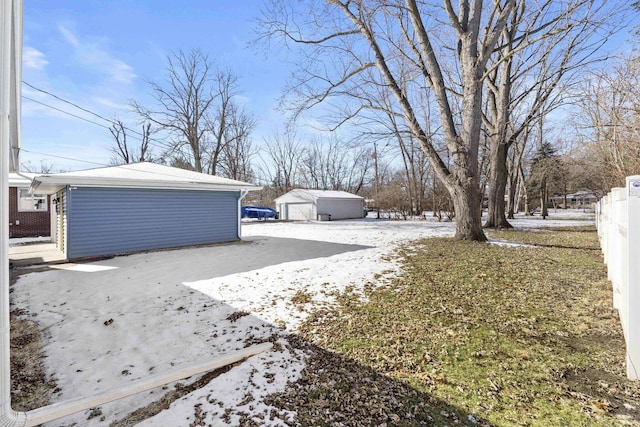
{"points": [[117, 320]]}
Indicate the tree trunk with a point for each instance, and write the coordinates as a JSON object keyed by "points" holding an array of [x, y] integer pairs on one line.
{"points": [[468, 212], [513, 199], [543, 201], [498, 175]]}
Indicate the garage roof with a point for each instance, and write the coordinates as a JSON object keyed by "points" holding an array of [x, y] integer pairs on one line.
{"points": [[137, 175]]}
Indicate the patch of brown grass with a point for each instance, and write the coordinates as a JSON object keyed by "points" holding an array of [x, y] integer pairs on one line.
{"points": [[512, 335]]}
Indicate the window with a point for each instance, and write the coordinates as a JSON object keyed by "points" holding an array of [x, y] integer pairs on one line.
{"points": [[28, 202]]}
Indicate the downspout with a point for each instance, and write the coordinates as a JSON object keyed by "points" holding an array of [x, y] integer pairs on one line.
{"points": [[15, 81], [243, 194], [8, 417]]}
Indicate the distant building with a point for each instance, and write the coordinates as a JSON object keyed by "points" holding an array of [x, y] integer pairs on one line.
{"points": [[29, 214], [324, 205], [577, 200]]}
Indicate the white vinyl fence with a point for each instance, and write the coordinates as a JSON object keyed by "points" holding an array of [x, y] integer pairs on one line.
{"points": [[618, 222]]}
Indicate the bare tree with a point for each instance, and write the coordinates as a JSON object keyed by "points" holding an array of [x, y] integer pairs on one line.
{"points": [[332, 165], [412, 50], [237, 150], [44, 167], [229, 125], [196, 107], [283, 152], [397, 40], [124, 151], [530, 73], [585, 171], [608, 120], [185, 99]]}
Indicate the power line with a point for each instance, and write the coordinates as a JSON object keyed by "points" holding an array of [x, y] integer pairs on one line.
{"points": [[158, 143], [66, 112], [67, 102], [62, 157]]}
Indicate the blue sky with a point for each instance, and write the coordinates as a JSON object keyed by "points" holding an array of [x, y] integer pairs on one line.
{"points": [[98, 55]]}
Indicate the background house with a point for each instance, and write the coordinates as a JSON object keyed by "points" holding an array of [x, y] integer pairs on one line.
{"points": [[319, 204], [577, 200], [29, 214], [141, 206]]}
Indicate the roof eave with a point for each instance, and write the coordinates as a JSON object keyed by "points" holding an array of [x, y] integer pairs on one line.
{"points": [[51, 184]]}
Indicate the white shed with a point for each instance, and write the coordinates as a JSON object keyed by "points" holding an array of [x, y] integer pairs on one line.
{"points": [[319, 204]]}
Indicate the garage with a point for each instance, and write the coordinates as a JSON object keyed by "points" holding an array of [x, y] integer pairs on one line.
{"points": [[301, 204], [141, 206]]}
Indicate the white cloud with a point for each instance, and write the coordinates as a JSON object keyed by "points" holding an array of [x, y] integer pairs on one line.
{"points": [[93, 54], [33, 58], [69, 36], [111, 104]]}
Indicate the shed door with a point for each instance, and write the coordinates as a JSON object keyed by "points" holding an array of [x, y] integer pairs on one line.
{"points": [[300, 211]]}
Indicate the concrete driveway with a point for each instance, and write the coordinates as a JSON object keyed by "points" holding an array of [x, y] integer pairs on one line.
{"points": [[111, 321], [194, 263]]}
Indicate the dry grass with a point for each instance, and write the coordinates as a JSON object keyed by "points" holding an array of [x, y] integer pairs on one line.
{"points": [[30, 387], [503, 335]]}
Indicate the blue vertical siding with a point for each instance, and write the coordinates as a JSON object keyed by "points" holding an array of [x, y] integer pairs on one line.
{"points": [[105, 221]]}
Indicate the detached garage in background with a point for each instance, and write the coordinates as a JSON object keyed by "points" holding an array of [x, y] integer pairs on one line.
{"points": [[319, 205], [140, 206]]}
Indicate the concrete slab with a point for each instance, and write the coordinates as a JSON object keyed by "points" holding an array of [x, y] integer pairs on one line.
{"points": [[194, 263], [35, 253]]}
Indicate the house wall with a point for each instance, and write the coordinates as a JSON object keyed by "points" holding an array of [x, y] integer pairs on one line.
{"points": [[106, 221], [27, 224], [341, 208]]}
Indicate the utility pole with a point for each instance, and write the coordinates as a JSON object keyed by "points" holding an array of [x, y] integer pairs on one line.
{"points": [[376, 185]]}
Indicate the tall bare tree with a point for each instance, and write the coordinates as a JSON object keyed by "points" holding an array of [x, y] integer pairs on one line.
{"points": [[229, 125], [126, 152], [543, 46], [184, 101], [44, 167], [608, 120], [332, 165], [411, 50], [283, 155], [235, 160], [196, 106], [351, 39]]}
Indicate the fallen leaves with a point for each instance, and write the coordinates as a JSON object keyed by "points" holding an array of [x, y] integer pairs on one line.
{"points": [[485, 329]]}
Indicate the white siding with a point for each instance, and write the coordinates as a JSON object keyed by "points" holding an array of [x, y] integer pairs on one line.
{"points": [[341, 208]]}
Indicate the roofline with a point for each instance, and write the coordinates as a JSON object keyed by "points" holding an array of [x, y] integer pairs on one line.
{"points": [[353, 197], [51, 184]]}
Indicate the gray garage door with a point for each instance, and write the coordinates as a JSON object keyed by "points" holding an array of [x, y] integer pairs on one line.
{"points": [[300, 211]]}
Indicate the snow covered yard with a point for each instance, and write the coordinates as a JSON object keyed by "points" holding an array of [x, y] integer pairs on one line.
{"points": [[112, 321]]}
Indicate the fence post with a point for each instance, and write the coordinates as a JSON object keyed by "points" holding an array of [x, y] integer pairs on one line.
{"points": [[617, 258], [633, 277]]}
